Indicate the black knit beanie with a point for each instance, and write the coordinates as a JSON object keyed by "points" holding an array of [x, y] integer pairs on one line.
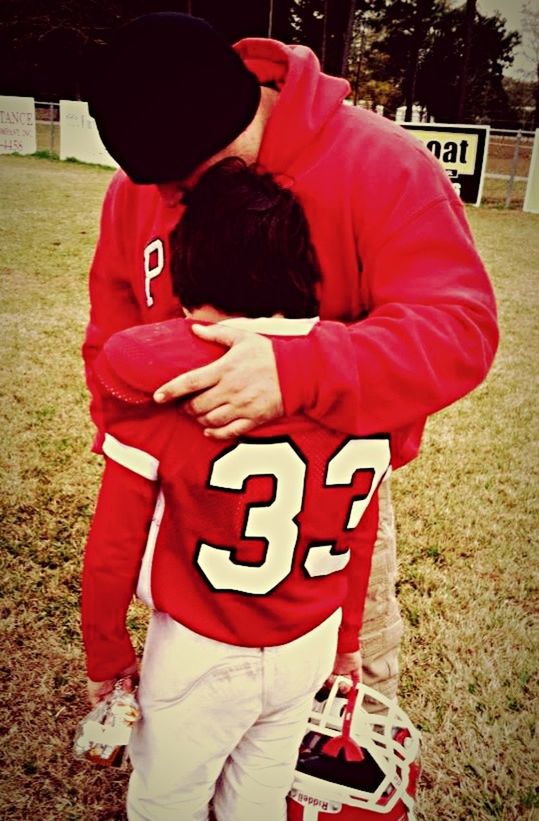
{"points": [[167, 93]]}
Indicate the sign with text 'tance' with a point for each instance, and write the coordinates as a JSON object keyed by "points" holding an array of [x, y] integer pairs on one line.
{"points": [[17, 125]]}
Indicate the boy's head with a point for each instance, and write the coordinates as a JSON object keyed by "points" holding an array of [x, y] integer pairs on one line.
{"points": [[243, 246]]}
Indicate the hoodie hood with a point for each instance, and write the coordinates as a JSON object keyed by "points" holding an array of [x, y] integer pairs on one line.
{"points": [[308, 98]]}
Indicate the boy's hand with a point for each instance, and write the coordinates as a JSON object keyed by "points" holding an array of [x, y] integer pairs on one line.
{"points": [[98, 690], [236, 392], [345, 664]]}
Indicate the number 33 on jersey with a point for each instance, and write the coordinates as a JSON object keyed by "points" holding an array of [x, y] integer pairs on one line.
{"points": [[276, 521], [248, 539]]}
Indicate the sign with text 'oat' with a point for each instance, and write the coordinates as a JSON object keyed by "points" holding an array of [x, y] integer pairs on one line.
{"points": [[462, 150]]}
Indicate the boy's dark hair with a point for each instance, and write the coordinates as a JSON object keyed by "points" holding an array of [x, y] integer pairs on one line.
{"points": [[243, 246]]}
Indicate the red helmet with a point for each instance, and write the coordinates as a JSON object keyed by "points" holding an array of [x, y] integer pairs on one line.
{"points": [[353, 764]]}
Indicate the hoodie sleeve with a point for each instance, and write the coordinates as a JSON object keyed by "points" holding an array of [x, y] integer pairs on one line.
{"points": [[429, 338], [358, 573], [113, 305]]}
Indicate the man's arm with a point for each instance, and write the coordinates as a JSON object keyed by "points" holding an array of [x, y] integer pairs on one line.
{"points": [[429, 339], [112, 302]]}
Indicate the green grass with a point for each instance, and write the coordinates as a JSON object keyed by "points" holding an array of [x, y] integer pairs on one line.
{"points": [[466, 508]]}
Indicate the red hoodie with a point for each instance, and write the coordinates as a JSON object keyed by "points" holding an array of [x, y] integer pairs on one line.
{"points": [[409, 320]]}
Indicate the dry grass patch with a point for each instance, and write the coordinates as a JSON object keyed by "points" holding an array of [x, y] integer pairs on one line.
{"points": [[467, 512], [468, 518]]}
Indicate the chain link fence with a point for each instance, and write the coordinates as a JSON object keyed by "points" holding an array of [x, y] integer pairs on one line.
{"points": [[48, 128], [508, 165]]}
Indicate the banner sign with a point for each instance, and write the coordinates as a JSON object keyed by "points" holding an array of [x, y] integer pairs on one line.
{"points": [[531, 199], [79, 137], [17, 125], [462, 151]]}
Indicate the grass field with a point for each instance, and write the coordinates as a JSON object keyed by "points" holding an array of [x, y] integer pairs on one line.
{"points": [[467, 519]]}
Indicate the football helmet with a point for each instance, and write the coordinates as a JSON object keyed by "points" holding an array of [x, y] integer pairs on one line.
{"points": [[354, 764]]}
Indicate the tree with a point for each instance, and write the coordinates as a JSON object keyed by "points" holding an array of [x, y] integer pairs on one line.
{"points": [[441, 68], [371, 80], [395, 51], [308, 23], [521, 99], [398, 35], [338, 17], [468, 37], [33, 65], [40, 42], [530, 25], [279, 20], [414, 52], [235, 19]]}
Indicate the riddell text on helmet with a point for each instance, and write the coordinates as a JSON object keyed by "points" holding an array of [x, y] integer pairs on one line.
{"points": [[311, 801]]}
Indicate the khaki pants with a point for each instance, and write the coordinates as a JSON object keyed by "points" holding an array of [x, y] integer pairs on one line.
{"points": [[382, 623]]}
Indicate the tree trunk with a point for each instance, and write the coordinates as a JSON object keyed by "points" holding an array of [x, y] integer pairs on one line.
{"points": [[427, 15], [336, 35], [348, 38], [359, 63], [468, 34], [325, 35], [410, 76], [279, 20]]}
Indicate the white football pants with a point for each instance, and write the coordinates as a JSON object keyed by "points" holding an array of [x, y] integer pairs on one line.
{"points": [[222, 721]]}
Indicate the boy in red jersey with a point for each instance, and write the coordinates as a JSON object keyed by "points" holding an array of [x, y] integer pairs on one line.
{"points": [[239, 547]]}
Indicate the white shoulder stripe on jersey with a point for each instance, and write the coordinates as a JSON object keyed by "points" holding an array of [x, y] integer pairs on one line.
{"points": [[131, 458], [275, 325]]}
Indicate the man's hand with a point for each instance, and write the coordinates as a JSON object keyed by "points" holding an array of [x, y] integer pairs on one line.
{"points": [[345, 664], [237, 392], [98, 690]]}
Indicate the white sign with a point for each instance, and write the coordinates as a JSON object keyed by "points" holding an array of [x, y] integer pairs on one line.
{"points": [[79, 137], [531, 200], [461, 149], [17, 125]]}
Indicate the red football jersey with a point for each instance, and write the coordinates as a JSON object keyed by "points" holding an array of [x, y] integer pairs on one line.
{"points": [[250, 542]]}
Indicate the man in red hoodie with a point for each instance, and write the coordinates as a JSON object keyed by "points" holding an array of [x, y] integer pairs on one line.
{"points": [[408, 314]]}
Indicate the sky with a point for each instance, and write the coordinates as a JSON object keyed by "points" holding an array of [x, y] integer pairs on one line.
{"points": [[510, 9]]}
